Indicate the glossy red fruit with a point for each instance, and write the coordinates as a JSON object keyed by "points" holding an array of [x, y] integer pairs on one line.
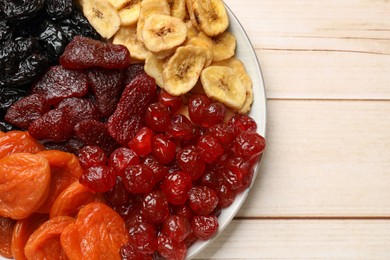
{"points": [[163, 149], [223, 133], [82, 53], [91, 155], [157, 117], [80, 109], [133, 71], [129, 115], [155, 207], [23, 112], [241, 123], [197, 107], [118, 195], [170, 249], [121, 158], [173, 103], [209, 147], [107, 86], [191, 162], [56, 125], [225, 195], [98, 178], [93, 132], [183, 210], [130, 252], [73, 145], [138, 179], [141, 143], [176, 227], [181, 128], [204, 227], [214, 114], [249, 144], [202, 200], [143, 237], [59, 83], [176, 186], [159, 170]]}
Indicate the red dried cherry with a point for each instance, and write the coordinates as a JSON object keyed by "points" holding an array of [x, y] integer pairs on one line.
{"points": [[98, 178], [159, 170], [181, 128], [155, 207], [202, 200], [141, 143], [118, 195], [138, 179], [209, 147], [143, 237], [241, 123], [163, 149], [249, 144], [204, 227], [176, 186], [157, 117], [130, 252], [191, 162], [170, 249], [223, 133], [90, 156], [197, 106], [173, 103], [121, 158], [176, 227]]}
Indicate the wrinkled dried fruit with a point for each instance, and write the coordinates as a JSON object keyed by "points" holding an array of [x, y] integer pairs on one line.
{"points": [[71, 199], [6, 229], [59, 83], [202, 200], [176, 227], [122, 158], [155, 207], [204, 227], [98, 231], [170, 249], [91, 155], [18, 141], [23, 112], [107, 86], [138, 179], [44, 243], [24, 184], [79, 109], [98, 178], [176, 186], [143, 237], [82, 53], [65, 170], [129, 115], [56, 125]]}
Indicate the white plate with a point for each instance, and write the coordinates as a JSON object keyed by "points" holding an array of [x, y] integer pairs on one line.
{"points": [[247, 55]]}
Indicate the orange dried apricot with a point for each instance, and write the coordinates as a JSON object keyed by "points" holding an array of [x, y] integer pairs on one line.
{"points": [[72, 199], [98, 233], [65, 170], [6, 228], [22, 232], [45, 243], [18, 141], [24, 184]]}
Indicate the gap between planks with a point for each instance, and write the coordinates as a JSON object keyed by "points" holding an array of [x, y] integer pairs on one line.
{"points": [[314, 218]]}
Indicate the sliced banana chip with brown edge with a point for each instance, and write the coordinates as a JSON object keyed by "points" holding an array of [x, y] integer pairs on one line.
{"points": [[149, 7], [223, 45], [154, 68], [118, 4], [222, 84], [178, 8], [127, 36], [183, 69], [207, 45], [102, 15], [129, 14]]}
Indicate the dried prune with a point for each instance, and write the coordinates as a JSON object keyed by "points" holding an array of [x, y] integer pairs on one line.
{"points": [[58, 9], [107, 88], [82, 53], [5, 30], [53, 40], [129, 115], [21, 9], [25, 111], [77, 24], [59, 83], [8, 96]]}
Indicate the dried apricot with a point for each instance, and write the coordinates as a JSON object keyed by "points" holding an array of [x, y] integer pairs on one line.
{"points": [[6, 228], [98, 233], [18, 141], [22, 231], [65, 169], [72, 199], [24, 184], [45, 243]]}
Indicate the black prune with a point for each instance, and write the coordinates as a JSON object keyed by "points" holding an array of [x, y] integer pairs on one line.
{"points": [[5, 30], [58, 9], [53, 40], [77, 24], [15, 10], [5, 127]]}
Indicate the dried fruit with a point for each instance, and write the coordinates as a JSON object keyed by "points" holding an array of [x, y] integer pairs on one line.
{"points": [[6, 229], [98, 231], [98, 178], [163, 149], [202, 200], [79, 109], [155, 207], [90, 156], [176, 186], [204, 227], [141, 143], [191, 162], [59, 83], [249, 144], [129, 115], [171, 249], [157, 117], [209, 147], [122, 158], [24, 184], [18, 141], [138, 179], [176, 227], [44, 243], [143, 237], [82, 53]]}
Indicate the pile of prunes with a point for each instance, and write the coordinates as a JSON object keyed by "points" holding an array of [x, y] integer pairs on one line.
{"points": [[33, 34]]}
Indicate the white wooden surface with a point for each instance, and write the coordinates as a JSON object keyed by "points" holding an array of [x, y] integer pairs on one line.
{"points": [[323, 190]]}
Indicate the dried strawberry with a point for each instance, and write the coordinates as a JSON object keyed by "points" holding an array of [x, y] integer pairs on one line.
{"points": [[107, 85], [73, 145], [56, 125], [59, 83], [23, 112], [80, 109], [82, 53], [133, 71], [94, 132], [129, 115]]}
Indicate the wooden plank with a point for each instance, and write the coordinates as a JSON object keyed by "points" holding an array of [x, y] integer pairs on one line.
{"points": [[324, 159], [328, 49], [297, 239]]}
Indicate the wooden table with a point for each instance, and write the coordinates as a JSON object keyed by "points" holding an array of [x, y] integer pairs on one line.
{"points": [[323, 190]]}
